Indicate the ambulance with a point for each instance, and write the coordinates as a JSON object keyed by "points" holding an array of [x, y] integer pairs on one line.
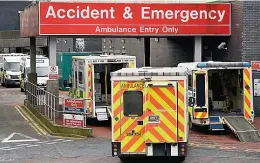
{"points": [[150, 112], [9, 69], [91, 81], [42, 70], [222, 94]]}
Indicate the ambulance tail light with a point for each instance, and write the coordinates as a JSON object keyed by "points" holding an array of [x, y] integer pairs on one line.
{"points": [[115, 148], [182, 149]]}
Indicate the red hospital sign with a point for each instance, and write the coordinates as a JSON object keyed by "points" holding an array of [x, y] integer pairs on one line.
{"points": [[59, 18]]}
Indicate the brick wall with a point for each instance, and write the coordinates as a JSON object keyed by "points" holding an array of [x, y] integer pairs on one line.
{"points": [[251, 39], [235, 40]]}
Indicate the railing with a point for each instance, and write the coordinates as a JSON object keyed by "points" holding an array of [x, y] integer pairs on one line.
{"points": [[48, 104]]}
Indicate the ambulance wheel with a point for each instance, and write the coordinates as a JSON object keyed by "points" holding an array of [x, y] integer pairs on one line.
{"points": [[7, 85], [124, 159], [182, 158]]}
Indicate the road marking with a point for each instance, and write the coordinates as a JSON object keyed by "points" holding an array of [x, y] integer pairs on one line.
{"points": [[9, 149], [19, 145], [38, 132], [8, 139], [32, 123], [42, 142], [66, 140], [52, 143], [58, 139], [21, 113], [5, 148], [33, 145]]}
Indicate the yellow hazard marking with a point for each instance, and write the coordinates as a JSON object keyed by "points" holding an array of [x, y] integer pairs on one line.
{"points": [[32, 123]]}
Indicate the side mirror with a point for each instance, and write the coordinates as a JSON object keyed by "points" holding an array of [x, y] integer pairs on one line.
{"points": [[2, 69], [22, 75], [191, 101]]}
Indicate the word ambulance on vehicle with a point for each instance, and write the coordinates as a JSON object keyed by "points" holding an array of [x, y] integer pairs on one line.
{"points": [[42, 70], [9, 65], [222, 95], [91, 81], [150, 112]]}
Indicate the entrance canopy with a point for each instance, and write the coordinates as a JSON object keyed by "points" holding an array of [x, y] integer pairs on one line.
{"points": [[125, 19]]}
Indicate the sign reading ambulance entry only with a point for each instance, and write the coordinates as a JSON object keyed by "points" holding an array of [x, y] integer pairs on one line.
{"points": [[53, 73]]}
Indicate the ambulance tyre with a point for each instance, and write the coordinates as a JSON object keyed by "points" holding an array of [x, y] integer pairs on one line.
{"points": [[182, 158], [7, 85], [124, 159]]}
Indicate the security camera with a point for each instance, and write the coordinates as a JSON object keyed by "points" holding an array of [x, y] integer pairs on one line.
{"points": [[222, 46]]}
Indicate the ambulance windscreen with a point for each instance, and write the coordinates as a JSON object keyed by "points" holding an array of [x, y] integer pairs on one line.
{"points": [[133, 103]]}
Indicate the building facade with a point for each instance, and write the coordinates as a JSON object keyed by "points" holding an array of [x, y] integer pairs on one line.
{"points": [[11, 42]]}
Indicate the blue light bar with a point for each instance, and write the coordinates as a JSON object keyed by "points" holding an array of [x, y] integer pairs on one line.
{"points": [[202, 65], [246, 64]]}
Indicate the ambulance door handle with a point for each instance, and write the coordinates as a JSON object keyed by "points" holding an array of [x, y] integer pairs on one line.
{"points": [[140, 123]]}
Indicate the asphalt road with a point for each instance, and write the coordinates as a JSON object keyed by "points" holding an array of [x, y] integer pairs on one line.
{"points": [[20, 143]]}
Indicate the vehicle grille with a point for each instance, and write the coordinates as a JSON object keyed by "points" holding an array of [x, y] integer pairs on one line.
{"points": [[14, 76]]}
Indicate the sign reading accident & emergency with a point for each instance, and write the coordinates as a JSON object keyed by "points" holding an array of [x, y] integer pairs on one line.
{"points": [[59, 18]]}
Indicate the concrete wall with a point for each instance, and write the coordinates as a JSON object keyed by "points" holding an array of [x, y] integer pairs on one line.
{"points": [[164, 51], [91, 44]]}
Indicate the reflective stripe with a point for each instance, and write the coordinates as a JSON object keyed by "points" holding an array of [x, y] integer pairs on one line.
{"points": [[247, 93], [181, 111], [162, 102], [89, 88]]}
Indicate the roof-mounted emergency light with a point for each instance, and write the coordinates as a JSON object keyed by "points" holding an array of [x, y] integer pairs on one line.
{"points": [[223, 64], [202, 65]]}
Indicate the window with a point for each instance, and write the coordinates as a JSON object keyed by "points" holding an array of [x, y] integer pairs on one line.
{"points": [[133, 103], [80, 77], [200, 90], [190, 81], [76, 79]]}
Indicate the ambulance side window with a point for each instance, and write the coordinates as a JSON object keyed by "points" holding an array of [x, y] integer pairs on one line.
{"points": [[76, 79], [190, 82], [133, 103], [80, 77]]}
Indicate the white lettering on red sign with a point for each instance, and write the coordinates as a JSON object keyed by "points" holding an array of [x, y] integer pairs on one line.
{"points": [[146, 13], [185, 15], [134, 19], [87, 13]]}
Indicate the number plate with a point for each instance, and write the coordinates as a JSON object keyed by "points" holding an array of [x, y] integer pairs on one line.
{"points": [[154, 119]]}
